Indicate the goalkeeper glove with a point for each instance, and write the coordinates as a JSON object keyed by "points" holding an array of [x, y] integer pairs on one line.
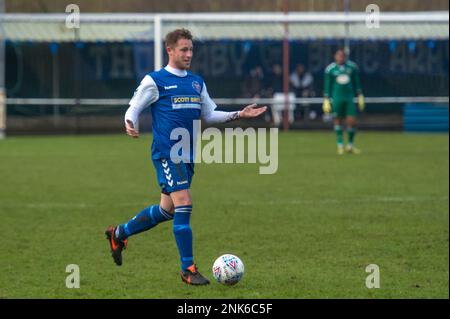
{"points": [[361, 102], [326, 105]]}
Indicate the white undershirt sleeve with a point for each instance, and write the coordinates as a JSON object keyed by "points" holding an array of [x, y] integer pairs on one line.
{"points": [[209, 113], [146, 94]]}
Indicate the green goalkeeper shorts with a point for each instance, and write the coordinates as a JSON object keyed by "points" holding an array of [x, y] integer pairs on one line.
{"points": [[343, 108]]}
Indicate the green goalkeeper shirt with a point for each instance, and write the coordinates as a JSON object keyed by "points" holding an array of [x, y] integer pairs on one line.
{"points": [[342, 81]]}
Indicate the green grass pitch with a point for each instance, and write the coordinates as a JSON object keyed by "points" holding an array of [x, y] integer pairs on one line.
{"points": [[308, 231]]}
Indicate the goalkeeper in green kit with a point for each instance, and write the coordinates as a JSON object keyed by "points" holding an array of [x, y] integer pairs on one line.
{"points": [[342, 84]]}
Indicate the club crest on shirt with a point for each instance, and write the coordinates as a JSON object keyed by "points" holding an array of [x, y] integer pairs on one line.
{"points": [[197, 87]]}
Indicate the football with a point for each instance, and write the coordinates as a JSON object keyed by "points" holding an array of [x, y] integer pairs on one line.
{"points": [[228, 269]]}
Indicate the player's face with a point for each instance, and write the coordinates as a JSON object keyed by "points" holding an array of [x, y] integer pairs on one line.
{"points": [[180, 56], [340, 57]]}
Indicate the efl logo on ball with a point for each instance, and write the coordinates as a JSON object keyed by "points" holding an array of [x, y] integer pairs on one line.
{"points": [[228, 269]]}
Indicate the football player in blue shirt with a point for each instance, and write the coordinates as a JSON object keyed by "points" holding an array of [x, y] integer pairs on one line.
{"points": [[177, 98]]}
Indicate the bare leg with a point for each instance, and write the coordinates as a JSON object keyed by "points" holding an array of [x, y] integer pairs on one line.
{"points": [[181, 198], [166, 203]]}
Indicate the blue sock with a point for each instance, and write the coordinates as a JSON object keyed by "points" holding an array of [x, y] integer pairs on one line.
{"points": [[183, 234], [146, 219]]}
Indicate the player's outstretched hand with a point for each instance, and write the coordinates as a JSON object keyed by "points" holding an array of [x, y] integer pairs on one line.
{"points": [[251, 111], [131, 131]]}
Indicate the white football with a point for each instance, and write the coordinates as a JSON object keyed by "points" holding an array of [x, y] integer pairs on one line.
{"points": [[228, 269]]}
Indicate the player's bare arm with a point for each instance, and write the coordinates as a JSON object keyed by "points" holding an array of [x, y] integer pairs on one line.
{"points": [[251, 111]]}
